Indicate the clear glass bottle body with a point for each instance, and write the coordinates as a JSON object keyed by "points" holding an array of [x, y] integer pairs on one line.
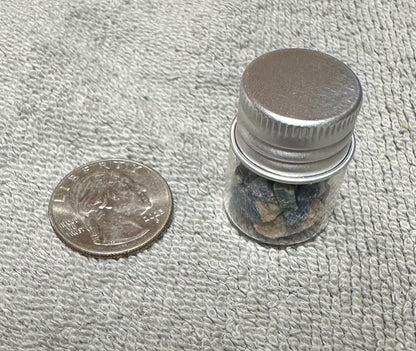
{"points": [[277, 213]]}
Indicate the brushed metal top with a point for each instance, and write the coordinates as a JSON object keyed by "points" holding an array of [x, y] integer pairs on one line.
{"points": [[296, 114], [302, 85]]}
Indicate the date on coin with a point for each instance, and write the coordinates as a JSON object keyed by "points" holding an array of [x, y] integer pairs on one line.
{"points": [[111, 208]]}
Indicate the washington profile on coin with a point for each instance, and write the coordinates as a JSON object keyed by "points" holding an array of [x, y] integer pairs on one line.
{"points": [[110, 208]]}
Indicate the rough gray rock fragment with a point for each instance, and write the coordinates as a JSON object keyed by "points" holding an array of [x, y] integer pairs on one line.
{"points": [[275, 209], [285, 195], [248, 190], [296, 216]]}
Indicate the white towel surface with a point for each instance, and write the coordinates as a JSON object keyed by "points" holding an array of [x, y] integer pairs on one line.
{"points": [[158, 82]]}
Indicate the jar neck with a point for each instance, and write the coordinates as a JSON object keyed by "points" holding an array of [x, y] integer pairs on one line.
{"points": [[293, 166]]}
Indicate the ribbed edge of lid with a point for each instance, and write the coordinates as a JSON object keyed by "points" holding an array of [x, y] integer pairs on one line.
{"points": [[291, 172]]}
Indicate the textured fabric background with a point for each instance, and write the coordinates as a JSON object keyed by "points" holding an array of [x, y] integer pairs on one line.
{"points": [[158, 82]]}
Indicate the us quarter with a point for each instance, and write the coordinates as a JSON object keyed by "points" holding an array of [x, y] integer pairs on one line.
{"points": [[110, 208]]}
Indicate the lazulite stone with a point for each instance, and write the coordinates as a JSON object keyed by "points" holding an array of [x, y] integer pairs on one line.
{"points": [[296, 215], [307, 193], [242, 205], [285, 196], [296, 200], [315, 218], [259, 187], [275, 209], [251, 195]]}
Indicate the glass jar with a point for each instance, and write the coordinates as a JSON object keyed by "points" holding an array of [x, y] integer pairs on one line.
{"points": [[291, 142]]}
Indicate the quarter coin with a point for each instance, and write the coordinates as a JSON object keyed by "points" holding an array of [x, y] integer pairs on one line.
{"points": [[111, 208]]}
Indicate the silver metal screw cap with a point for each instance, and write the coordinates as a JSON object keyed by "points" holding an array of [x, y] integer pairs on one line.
{"points": [[296, 116]]}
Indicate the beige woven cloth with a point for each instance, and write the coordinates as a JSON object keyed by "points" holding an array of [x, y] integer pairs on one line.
{"points": [[158, 82]]}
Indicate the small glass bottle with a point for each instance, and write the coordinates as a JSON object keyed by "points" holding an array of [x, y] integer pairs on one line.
{"points": [[291, 142]]}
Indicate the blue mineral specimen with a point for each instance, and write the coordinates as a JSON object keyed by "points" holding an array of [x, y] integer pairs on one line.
{"points": [[295, 201], [247, 189], [285, 196], [255, 199], [294, 217], [307, 193]]}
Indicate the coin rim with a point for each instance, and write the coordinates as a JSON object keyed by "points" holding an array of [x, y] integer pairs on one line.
{"points": [[113, 254]]}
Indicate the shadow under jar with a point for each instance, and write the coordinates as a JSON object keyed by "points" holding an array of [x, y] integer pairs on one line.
{"points": [[291, 142]]}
